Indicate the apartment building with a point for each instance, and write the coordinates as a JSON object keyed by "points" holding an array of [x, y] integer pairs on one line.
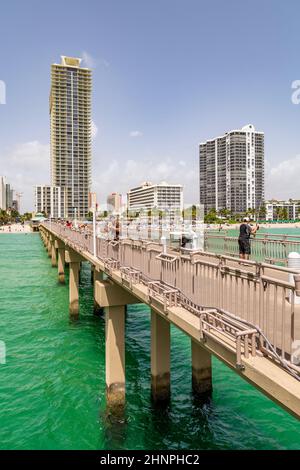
{"points": [[162, 196], [70, 121], [6, 194], [2, 193], [276, 210], [231, 169], [48, 200]]}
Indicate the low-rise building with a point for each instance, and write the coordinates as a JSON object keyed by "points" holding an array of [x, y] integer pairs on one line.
{"points": [[162, 196], [48, 200], [278, 210]]}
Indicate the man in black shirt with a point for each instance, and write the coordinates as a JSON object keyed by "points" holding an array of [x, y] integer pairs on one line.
{"points": [[246, 231]]}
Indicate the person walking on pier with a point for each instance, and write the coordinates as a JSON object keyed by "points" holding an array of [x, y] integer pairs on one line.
{"points": [[246, 230]]}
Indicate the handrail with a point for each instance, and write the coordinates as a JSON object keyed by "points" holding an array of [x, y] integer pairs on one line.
{"points": [[270, 248], [259, 294]]}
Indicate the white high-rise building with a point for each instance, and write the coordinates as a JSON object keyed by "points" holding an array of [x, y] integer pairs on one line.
{"points": [[71, 150], [48, 200], [2, 193], [232, 171], [161, 196], [6, 194], [9, 196]]}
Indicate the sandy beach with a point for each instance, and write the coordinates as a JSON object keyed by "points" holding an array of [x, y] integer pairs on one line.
{"points": [[265, 226], [15, 228]]}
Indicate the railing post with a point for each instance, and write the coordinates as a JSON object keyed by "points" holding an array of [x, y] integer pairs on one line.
{"points": [[163, 241], [294, 263], [94, 233]]}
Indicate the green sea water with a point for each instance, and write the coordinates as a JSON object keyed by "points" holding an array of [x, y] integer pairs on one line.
{"points": [[275, 230], [52, 386]]}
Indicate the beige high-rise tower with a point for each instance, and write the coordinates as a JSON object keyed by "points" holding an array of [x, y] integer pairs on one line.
{"points": [[71, 148]]}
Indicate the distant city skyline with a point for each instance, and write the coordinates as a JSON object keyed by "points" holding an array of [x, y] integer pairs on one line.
{"points": [[9, 198], [165, 78]]}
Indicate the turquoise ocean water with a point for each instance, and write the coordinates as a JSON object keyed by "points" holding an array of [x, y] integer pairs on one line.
{"points": [[52, 387]]}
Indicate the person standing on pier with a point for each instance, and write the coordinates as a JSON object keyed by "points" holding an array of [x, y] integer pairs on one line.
{"points": [[246, 230]]}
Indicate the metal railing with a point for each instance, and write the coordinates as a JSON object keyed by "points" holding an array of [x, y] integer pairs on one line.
{"points": [[252, 302], [272, 248]]}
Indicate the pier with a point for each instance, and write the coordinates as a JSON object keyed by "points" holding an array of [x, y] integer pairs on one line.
{"points": [[242, 312]]}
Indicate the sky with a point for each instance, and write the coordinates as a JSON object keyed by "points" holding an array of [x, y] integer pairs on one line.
{"points": [[167, 74]]}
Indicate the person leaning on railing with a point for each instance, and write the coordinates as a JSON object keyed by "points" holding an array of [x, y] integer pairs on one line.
{"points": [[246, 230]]}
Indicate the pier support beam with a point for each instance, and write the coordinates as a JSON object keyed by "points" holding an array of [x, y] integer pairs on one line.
{"points": [[115, 355], [201, 370], [97, 276], [114, 299], [160, 357], [74, 288], [74, 260], [53, 251], [60, 246], [49, 247]]}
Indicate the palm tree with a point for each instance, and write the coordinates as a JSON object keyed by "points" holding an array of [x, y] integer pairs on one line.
{"points": [[262, 211]]}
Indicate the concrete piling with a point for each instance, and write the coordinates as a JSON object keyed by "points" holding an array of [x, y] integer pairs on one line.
{"points": [[115, 355], [160, 357], [60, 246], [201, 370]]}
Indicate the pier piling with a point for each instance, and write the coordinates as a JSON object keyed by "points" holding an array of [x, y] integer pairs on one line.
{"points": [[97, 276], [115, 355], [114, 299], [53, 252], [201, 370], [49, 247], [160, 357], [60, 246], [74, 265]]}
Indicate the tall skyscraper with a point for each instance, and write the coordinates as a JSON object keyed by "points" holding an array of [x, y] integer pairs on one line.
{"points": [[9, 196], [2, 193], [232, 171], [71, 149], [6, 194]]}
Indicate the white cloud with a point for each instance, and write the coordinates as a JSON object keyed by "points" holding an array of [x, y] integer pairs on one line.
{"points": [[94, 130], [135, 134], [105, 63], [121, 176], [282, 180], [26, 165], [88, 60]]}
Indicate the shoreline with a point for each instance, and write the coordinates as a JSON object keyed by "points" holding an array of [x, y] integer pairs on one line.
{"points": [[264, 226], [15, 228]]}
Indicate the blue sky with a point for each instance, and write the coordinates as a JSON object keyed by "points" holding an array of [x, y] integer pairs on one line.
{"points": [[167, 75]]}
